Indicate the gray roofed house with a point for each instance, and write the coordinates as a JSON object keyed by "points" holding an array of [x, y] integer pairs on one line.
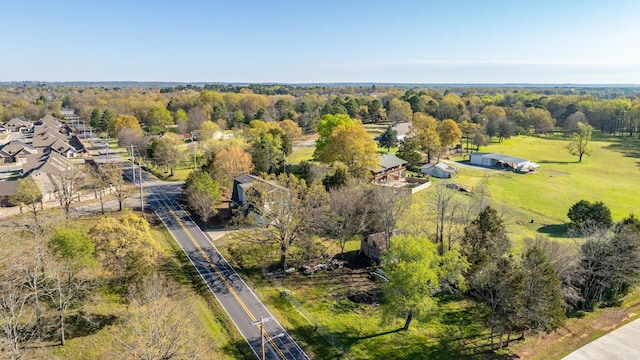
{"points": [[51, 121], [42, 169], [390, 167], [244, 182], [15, 152], [7, 190], [18, 124]]}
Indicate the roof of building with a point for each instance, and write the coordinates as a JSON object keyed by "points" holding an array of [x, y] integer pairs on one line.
{"points": [[501, 157], [378, 240], [8, 188], [388, 161], [48, 162], [402, 129], [18, 122], [442, 166], [51, 121], [15, 146]]}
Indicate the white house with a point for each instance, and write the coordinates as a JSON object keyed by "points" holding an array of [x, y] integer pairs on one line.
{"points": [[439, 170]]}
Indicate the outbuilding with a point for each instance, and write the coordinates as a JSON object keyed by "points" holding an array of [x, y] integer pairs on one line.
{"points": [[500, 161], [439, 170]]}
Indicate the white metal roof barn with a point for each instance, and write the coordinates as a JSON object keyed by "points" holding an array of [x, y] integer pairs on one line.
{"points": [[502, 161]]}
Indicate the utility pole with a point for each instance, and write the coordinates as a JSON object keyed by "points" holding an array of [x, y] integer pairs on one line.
{"points": [[141, 195], [195, 162], [261, 324], [133, 164]]}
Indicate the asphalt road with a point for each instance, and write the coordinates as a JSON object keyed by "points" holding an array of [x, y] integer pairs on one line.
{"points": [[239, 301]]}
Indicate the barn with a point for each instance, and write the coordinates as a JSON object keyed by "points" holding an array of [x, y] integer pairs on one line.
{"points": [[501, 161]]}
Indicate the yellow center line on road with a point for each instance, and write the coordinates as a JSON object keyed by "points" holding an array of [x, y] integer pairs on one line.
{"points": [[224, 280]]}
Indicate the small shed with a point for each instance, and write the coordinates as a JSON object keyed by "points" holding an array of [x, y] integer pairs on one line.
{"points": [[374, 245], [439, 170]]}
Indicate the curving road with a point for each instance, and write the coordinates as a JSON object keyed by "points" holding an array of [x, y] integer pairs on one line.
{"points": [[239, 301]]}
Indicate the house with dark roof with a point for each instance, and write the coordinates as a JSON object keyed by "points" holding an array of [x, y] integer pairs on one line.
{"points": [[7, 190], [19, 124], [42, 169], [51, 121], [244, 182], [389, 168], [15, 152]]}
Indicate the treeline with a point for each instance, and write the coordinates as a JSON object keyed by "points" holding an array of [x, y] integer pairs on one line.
{"points": [[613, 111]]}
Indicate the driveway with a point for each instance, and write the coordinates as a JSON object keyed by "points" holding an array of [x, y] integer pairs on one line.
{"points": [[622, 343]]}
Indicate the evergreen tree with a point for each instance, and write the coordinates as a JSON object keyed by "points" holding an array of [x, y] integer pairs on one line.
{"points": [[96, 114], [542, 299], [389, 138], [485, 239]]}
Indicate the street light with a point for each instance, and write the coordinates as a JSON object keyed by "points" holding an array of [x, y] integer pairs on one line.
{"points": [[261, 324]]}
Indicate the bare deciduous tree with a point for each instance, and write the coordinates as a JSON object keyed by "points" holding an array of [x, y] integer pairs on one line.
{"points": [[66, 182], [349, 212]]}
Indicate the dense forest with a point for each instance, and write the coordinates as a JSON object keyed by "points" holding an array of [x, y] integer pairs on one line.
{"points": [[514, 110]]}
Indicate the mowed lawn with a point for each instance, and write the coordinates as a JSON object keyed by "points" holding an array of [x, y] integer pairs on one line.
{"points": [[610, 175]]}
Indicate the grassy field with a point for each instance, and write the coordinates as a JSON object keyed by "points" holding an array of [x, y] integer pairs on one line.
{"points": [[610, 175], [302, 154]]}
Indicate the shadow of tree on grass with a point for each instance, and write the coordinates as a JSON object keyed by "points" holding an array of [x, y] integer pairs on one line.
{"points": [[555, 230]]}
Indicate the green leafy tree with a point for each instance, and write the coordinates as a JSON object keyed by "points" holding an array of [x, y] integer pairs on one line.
{"points": [[424, 133], [416, 272], [28, 193], [157, 118], [125, 247], [580, 141], [337, 178], [166, 152], [449, 133], [202, 194], [267, 151], [68, 279], [352, 146], [540, 119], [584, 214], [326, 126], [399, 111], [389, 138]]}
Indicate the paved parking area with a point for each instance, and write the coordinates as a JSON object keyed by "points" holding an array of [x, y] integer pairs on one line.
{"points": [[620, 344]]}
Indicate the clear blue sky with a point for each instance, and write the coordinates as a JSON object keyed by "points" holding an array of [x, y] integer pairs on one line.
{"points": [[420, 41]]}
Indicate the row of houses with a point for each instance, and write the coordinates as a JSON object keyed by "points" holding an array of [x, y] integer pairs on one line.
{"points": [[37, 151]]}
